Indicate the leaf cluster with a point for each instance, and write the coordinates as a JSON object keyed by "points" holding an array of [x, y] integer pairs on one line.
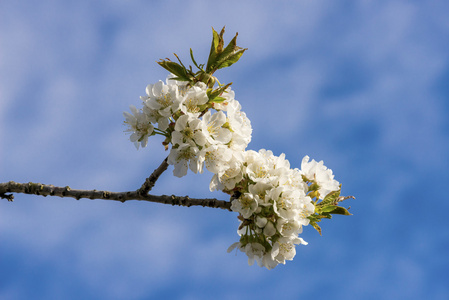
{"points": [[328, 207], [219, 57]]}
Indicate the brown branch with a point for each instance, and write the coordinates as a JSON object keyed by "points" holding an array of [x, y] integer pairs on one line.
{"points": [[51, 190], [9, 197], [151, 181]]}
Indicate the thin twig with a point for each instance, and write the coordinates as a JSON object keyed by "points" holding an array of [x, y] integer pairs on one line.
{"points": [[9, 197], [151, 181], [51, 190]]}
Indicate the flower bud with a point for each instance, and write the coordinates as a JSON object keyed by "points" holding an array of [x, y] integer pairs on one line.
{"points": [[261, 221], [269, 229]]}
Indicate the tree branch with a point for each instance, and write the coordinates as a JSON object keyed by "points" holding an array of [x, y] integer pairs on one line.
{"points": [[51, 190], [151, 181]]}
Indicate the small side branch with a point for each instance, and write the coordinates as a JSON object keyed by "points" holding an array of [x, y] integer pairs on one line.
{"points": [[51, 190], [151, 181], [9, 197]]}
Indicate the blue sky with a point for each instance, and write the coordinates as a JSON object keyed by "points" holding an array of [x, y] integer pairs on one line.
{"points": [[362, 86]]}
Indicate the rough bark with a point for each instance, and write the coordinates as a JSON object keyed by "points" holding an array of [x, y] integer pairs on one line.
{"points": [[51, 190]]}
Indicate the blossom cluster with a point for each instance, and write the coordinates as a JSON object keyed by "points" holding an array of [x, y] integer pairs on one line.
{"points": [[274, 201], [274, 204], [183, 114]]}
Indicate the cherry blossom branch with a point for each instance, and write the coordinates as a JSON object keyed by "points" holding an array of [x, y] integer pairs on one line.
{"points": [[51, 190], [151, 181]]}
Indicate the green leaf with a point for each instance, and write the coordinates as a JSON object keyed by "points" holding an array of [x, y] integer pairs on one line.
{"points": [[180, 79], [193, 59], [333, 209], [213, 94], [213, 49], [180, 62], [316, 226], [220, 41], [229, 50], [217, 99], [231, 59], [220, 58], [339, 210], [331, 198], [176, 69], [326, 215], [328, 208], [230, 55]]}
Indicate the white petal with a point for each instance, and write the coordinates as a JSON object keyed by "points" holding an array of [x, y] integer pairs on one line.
{"points": [[269, 229], [181, 123], [180, 169], [158, 88]]}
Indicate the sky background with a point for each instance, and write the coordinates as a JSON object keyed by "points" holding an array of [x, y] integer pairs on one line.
{"points": [[362, 85]]}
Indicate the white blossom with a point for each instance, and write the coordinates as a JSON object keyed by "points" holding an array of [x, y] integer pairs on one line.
{"points": [[235, 245], [139, 126], [255, 251], [163, 97], [188, 131], [216, 158], [268, 262], [269, 229], [306, 209], [289, 228], [261, 221], [228, 178], [284, 249], [245, 205], [292, 179], [239, 123], [228, 95], [316, 171], [155, 117], [183, 157], [259, 190], [213, 128], [193, 99]]}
